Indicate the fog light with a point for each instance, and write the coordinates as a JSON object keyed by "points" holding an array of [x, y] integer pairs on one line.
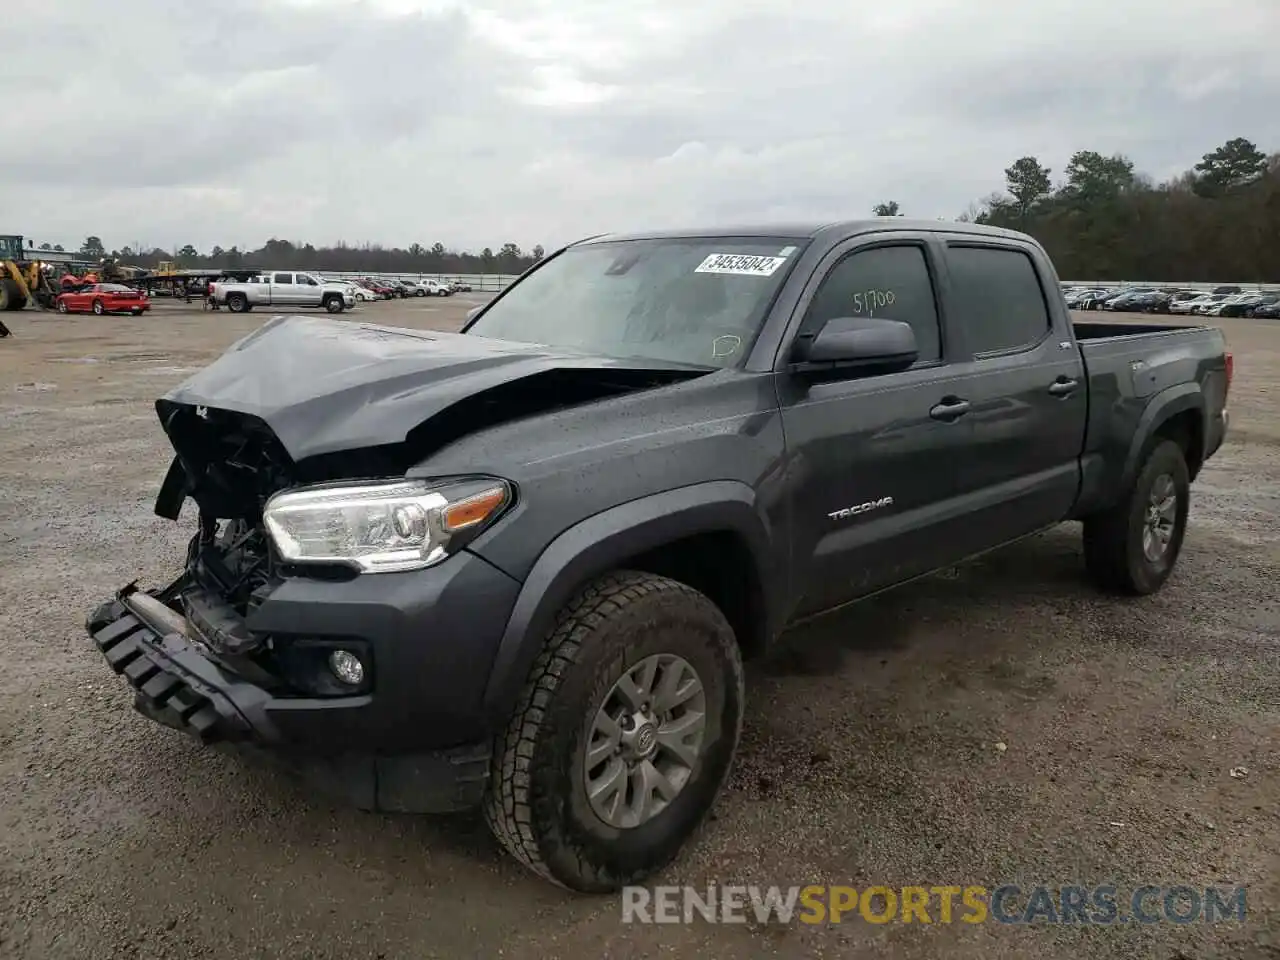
{"points": [[346, 666]]}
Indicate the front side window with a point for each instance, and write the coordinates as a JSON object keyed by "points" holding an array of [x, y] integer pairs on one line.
{"points": [[891, 283], [688, 300]]}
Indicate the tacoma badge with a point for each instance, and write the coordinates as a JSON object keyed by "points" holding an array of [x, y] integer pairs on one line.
{"points": [[858, 508]]}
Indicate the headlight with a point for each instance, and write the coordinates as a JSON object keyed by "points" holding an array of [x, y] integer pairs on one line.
{"points": [[382, 527]]}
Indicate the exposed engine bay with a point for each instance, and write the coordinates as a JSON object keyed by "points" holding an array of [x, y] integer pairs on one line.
{"points": [[230, 464]]}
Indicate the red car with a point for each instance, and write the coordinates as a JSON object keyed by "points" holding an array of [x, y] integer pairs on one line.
{"points": [[103, 298], [378, 287]]}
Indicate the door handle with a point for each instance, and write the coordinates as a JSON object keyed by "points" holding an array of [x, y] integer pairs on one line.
{"points": [[951, 408], [1063, 387]]}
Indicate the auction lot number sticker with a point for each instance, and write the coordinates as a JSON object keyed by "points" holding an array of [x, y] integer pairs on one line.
{"points": [[740, 264]]}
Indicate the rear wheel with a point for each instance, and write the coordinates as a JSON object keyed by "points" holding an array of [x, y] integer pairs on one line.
{"points": [[1132, 548], [98, 308], [237, 303], [622, 736]]}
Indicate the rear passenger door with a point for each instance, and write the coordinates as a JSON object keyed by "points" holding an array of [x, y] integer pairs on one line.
{"points": [[283, 290], [1025, 385], [870, 456]]}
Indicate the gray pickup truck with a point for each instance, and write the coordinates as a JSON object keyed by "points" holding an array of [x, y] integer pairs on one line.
{"points": [[284, 289], [520, 566]]}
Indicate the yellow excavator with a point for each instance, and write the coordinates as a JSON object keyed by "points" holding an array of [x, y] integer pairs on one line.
{"points": [[22, 281]]}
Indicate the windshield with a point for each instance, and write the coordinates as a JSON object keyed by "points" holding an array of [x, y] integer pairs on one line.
{"points": [[688, 300]]}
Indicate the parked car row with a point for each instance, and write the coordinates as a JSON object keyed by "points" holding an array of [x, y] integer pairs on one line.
{"points": [[1227, 301], [283, 288], [378, 288]]}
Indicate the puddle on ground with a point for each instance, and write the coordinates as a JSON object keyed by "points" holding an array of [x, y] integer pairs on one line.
{"points": [[141, 357], [165, 371]]}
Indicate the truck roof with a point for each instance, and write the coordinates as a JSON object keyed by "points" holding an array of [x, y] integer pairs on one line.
{"points": [[809, 230]]}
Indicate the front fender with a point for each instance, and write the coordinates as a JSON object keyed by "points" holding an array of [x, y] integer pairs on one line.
{"points": [[1164, 405], [604, 542]]}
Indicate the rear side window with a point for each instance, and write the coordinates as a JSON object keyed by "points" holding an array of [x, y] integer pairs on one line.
{"points": [[283, 278], [997, 299], [888, 282]]}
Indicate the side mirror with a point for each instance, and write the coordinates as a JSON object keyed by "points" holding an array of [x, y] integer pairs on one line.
{"points": [[856, 345]]}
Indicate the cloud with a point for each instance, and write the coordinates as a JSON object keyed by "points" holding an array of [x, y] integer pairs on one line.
{"points": [[471, 124]]}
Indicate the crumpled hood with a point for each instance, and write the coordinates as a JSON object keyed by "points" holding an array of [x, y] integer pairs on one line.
{"points": [[326, 385]]}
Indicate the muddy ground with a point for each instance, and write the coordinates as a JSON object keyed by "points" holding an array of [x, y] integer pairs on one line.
{"points": [[869, 757]]}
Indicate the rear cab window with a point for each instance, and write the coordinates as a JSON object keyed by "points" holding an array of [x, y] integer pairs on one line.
{"points": [[997, 299]]}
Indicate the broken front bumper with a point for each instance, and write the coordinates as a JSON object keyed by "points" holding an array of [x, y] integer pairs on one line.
{"points": [[341, 747]]}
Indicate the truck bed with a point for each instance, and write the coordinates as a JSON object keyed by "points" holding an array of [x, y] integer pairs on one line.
{"points": [[1129, 367]]}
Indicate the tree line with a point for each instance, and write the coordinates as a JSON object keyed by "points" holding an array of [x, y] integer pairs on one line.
{"points": [[342, 258], [1103, 220]]}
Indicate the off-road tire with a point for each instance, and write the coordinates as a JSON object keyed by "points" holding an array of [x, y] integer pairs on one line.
{"points": [[536, 803], [1113, 539]]}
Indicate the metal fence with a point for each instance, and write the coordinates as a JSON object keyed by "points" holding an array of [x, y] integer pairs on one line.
{"points": [[479, 282]]}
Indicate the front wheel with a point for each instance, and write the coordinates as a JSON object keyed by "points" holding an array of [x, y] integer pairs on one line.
{"points": [[622, 736], [1132, 548], [62, 306], [334, 304], [98, 308]]}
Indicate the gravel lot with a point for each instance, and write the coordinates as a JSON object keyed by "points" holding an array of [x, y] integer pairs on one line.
{"points": [[869, 754]]}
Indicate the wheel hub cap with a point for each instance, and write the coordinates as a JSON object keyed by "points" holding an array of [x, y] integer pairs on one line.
{"points": [[645, 741], [1160, 518]]}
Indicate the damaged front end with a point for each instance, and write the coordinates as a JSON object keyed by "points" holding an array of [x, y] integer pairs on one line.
{"points": [[229, 464]]}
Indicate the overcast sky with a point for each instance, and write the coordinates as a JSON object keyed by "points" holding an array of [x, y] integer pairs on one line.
{"points": [[226, 122]]}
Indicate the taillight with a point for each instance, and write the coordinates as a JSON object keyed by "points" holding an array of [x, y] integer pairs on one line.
{"points": [[1231, 372]]}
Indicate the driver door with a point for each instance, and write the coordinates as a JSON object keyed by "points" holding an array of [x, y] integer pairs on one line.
{"points": [[306, 290], [871, 487], [79, 301]]}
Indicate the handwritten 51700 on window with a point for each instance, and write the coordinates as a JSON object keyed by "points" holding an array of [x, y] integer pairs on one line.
{"points": [[867, 302]]}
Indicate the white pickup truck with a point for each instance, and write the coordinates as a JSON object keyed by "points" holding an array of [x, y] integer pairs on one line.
{"points": [[284, 289]]}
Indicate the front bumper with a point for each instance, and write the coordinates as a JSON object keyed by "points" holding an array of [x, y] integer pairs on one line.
{"points": [[418, 742]]}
